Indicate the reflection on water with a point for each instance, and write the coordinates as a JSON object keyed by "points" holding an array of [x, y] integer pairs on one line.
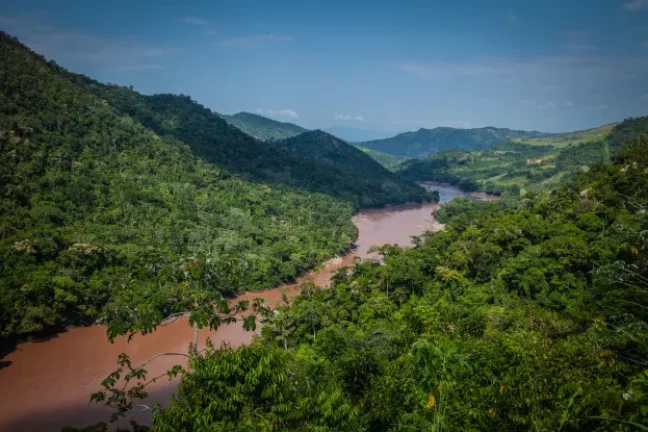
{"points": [[46, 385]]}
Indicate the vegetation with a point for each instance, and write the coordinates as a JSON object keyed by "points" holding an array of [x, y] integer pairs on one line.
{"points": [[389, 161], [523, 166], [263, 128], [522, 315], [354, 171], [211, 138], [429, 141], [266, 129], [570, 138], [124, 208]]}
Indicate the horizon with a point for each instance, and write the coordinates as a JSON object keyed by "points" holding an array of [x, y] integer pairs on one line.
{"points": [[324, 129], [545, 67]]}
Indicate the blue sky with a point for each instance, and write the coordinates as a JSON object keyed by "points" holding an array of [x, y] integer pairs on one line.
{"points": [[381, 65]]}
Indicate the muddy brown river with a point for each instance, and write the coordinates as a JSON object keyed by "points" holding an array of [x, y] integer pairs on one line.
{"points": [[46, 385]]}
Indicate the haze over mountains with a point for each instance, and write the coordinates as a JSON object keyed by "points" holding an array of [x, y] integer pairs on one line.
{"points": [[408, 144], [428, 141], [493, 160]]}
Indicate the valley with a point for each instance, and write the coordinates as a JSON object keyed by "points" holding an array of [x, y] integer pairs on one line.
{"points": [[293, 265], [522, 166], [54, 377]]}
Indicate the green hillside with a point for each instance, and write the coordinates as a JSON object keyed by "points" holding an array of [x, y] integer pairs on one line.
{"points": [[570, 138], [125, 208], [213, 139], [389, 161], [529, 165], [261, 127], [516, 317], [429, 141], [354, 170]]}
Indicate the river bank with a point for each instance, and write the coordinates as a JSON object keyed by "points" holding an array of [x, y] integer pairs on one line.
{"points": [[47, 384]]}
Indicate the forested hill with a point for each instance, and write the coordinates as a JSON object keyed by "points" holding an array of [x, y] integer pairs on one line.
{"points": [[125, 208], [526, 165], [522, 315], [389, 161], [355, 170], [212, 138], [263, 128], [428, 141]]}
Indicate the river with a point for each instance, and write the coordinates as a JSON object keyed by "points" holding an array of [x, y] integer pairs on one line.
{"points": [[46, 385]]}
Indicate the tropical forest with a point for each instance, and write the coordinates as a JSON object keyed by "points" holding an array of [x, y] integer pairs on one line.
{"points": [[187, 245]]}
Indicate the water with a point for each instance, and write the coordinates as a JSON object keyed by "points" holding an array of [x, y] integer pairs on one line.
{"points": [[46, 385]]}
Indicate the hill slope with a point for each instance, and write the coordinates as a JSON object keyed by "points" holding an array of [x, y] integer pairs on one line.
{"points": [[354, 170], [526, 165], [517, 316], [428, 141], [389, 161], [212, 138], [356, 135], [125, 208], [261, 127]]}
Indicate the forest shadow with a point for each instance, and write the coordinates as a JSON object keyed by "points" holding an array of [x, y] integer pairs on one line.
{"points": [[10, 345], [84, 415]]}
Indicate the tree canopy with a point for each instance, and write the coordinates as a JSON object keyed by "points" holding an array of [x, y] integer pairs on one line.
{"points": [[122, 208], [522, 314]]}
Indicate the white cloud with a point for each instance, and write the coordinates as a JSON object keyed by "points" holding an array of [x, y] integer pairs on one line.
{"points": [[254, 41], [580, 42], [278, 113], [581, 72], [511, 17], [435, 71], [546, 105], [636, 5], [529, 102], [349, 117], [70, 47], [602, 107], [195, 21], [568, 104]]}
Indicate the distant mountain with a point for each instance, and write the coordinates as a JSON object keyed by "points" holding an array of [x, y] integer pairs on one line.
{"points": [[261, 127], [355, 135], [127, 208], [212, 138], [428, 141], [354, 173], [526, 165]]}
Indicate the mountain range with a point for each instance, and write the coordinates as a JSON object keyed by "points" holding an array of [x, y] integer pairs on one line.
{"points": [[428, 141], [122, 208], [525, 165]]}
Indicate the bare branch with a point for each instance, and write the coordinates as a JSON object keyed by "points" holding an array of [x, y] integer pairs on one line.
{"points": [[162, 354]]}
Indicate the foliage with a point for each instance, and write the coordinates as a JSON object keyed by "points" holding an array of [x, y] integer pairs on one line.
{"points": [[526, 165], [263, 128], [211, 138], [389, 161], [526, 314], [424, 142], [122, 208]]}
